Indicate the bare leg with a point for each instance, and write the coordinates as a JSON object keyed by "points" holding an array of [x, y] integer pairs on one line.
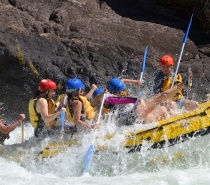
{"points": [[190, 105], [157, 114], [152, 102], [171, 107]]}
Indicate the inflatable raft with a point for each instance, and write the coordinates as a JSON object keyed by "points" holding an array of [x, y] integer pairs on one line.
{"points": [[164, 133]]}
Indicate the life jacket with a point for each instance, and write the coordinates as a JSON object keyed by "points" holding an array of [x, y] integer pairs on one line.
{"points": [[88, 111], [163, 83], [105, 110], [3, 137], [35, 117], [124, 93]]}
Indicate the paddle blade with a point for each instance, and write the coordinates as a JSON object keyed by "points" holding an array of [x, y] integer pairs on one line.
{"points": [[22, 126], [63, 119], [144, 60], [188, 29], [88, 158], [143, 64]]}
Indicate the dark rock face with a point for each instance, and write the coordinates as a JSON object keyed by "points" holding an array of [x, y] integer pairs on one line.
{"points": [[93, 40], [198, 7]]}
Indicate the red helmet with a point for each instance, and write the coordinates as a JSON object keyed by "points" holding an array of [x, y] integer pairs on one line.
{"points": [[47, 84], [166, 60]]}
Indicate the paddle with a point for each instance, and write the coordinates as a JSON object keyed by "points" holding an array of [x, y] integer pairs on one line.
{"points": [[190, 76], [90, 149], [63, 115], [143, 63], [141, 77], [182, 49], [22, 126]]}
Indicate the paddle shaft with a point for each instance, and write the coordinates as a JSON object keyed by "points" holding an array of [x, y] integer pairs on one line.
{"points": [[90, 149], [63, 114], [141, 77], [190, 76], [22, 128], [182, 49], [180, 57], [143, 65], [101, 107], [99, 114]]}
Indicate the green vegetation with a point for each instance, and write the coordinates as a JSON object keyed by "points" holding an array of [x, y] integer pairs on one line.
{"points": [[21, 59]]}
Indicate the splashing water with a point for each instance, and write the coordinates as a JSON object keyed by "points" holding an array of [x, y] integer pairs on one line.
{"points": [[184, 163]]}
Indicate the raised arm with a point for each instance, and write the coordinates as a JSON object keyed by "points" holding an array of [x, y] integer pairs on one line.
{"points": [[6, 129], [136, 82], [90, 93], [42, 108]]}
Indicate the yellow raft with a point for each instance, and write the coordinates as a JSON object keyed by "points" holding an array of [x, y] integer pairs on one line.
{"points": [[167, 132]]}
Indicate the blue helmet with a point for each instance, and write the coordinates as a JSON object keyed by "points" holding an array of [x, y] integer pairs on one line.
{"points": [[116, 85], [73, 85], [98, 91]]}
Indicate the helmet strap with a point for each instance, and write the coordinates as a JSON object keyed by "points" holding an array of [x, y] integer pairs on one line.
{"points": [[47, 94]]}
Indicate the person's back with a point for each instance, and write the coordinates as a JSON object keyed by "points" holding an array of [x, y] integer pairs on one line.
{"points": [[79, 107]]}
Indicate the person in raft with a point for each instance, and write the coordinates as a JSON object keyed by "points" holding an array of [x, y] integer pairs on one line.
{"points": [[162, 82], [123, 105], [79, 109], [157, 113], [5, 129], [98, 93], [43, 110]]}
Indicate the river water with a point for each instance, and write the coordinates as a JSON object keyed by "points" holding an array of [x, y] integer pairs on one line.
{"points": [[186, 163]]}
